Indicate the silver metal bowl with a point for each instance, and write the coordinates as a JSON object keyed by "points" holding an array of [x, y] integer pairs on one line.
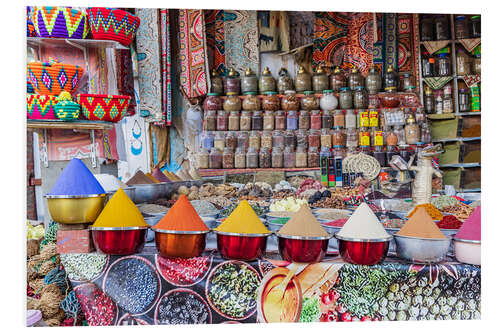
{"points": [[129, 191], [422, 250], [149, 192]]}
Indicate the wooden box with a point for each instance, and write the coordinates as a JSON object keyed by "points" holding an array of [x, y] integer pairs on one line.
{"points": [[74, 241]]}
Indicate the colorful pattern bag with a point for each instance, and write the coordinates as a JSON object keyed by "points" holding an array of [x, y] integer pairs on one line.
{"points": [[103, 107], [60, 22]]}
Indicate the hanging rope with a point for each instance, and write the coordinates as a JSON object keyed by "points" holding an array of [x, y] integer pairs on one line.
{"points": [[58, 277], [71, 306], [50, 235]]}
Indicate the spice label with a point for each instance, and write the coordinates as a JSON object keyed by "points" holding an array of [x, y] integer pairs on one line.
{"points": [[373, 118], [379, 138], [364, 120]]}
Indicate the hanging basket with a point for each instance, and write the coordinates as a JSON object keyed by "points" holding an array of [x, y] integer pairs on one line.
{"points": [[103, 107], [113, 24], [60, 22], [51, 78], [40, 106], [67, 110]]}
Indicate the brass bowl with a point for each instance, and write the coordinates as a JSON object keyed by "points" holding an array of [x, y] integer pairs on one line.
{"points": [[180, 244], [75, 209]]}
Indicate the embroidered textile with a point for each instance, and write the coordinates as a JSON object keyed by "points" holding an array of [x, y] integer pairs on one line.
{"points": [[214, 31], [241, 40], [359, 46], [274, 31], [330, 38]]}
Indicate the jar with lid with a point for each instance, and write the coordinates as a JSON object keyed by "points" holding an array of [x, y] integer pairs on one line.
{"points": [[216, 83], [257, 121], [447, 90], [232, 102], [252, 158], [443, 65], [228, 158], [266, 140], [213, 102], [251, 102], [427, 28], [271, 101], [234, 121], [246, 121], [309, 101], [302, 137], [264, 158], [338, 137], [425, 133], [319, 80], [391, 138], [391, 79], [407, 82], [277, 158], [285, 82], [325, 152], [304, 120], [203, 158], [290, 102], [404, 152], [391, 151], [461, 27], [289, 158], [291, 120], [222, 120], [313, 140], [231, 141], [352, 137], [373, 101], [364, 136], [427, 64], [290, 140], [249, 82], [476, 64], [428, 100], [313, 157], [326, 138], [360, 98], [442, 27], [328, 101], [326, 119], [266, 81], [232, 82], [280, 120], [419, 116], [254, 140], [338, 119], [377, 137], [220, 141], [215, 159], [373, 81], [207, 140], [438, 103], [447, 104], [269, 120], [301, 157], [243, 140], [345, 98], [463, 100], [239, 158], [315, 119], [278, 140], [380, 156], [400, 133], [355, 78], [339, 151], [350, 119], [463, 63], [381, 118], [337, 80], [302, 80], [412, 130], [210, 120], [475, 26]]}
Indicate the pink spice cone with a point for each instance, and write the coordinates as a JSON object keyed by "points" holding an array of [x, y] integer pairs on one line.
{"points": [[471, 229], [160, 176]]}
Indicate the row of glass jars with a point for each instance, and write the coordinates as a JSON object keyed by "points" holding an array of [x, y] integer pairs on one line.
{"points": [[440, 101], [436, 27], [441, 66]]}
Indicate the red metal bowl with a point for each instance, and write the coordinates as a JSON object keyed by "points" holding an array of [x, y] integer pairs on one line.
{"points": [[302, 249], [119, 241], [246, 247], [180, 244], [363, 252]]}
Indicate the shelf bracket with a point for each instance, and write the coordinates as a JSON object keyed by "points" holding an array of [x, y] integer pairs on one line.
{"points": [[93, 149], [44, 156]]}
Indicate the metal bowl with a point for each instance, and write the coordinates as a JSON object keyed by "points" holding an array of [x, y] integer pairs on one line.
{"points": [[119, 241], [129, 191], [149, 192], [180, 244], [246, 247], [422, 250], [302, 249], [467, 251], [363, 251], [151, 221], [72, 209]]}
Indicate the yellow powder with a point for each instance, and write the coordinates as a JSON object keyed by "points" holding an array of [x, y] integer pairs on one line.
{"points": [[303, 223], [420, 225], [120, 211], [150, 176], [243, 220]]}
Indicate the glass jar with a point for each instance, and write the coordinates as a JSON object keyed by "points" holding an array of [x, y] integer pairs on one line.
{"points": [[407, 82], [427, 65], [313, 157], [352, 138], [207, 140], [210, 123], [325, 152], [463, 63], [355, 78], [326, 138], [442, 27], [213, 102], [392, 138], [447, 104], [232, 102], [319, 80], [220, 141], [301, 157], [427, 28], [350, 119], [269, 120], [425, 133], [339, 152], [443, 65], [309, 101], [304, 120], [266, 140], [290, 102], [249, 82], [290, 140], [438, 103], [266, 81], [231, 141], [291, 120], [203, 159], [278, 140], [280, 120], [338, 137], [254, 140], [475, 26], [360, 98], [216, 83], [338, 119], [373, 81], [476, 64], [373, 101], [315, 119], [251, 102], [373, 116], [264, 158], [419, 116], [364, 136], [326, 120], [271, 101], [285, 82], [404, 152], [215, 159], [391, 79], [302, 138], [337, 80], [240, 158], [234, 121], [289, 158], [232, 82], [257, 121], [313, 140], [429, 100], [328, 101], [302, 80], [380, 156], [228, 158], [463, 100], [222, 120], [381, 118], [252, 160], [461, 27], [400, 133], [391, 151], [243, 140], [277, 158], [345, 98], [246, 121]]}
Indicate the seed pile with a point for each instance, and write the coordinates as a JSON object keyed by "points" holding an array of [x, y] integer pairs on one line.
{"points": [[99, 308], [204, 207], [183, 272], [182, 306], [83, 266]]}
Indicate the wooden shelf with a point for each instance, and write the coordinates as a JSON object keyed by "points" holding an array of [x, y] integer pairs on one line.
{"points": [[459, 139], [86, 43], [77, 124], [460, 165]]}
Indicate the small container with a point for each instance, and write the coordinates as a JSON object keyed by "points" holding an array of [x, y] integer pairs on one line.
{"points": [[251, 102], [278, 140], [400, 133], [442, 27], [429, 100], [338, 137], [264, 158], [326, 120], [448, 104], [301, 157], [246, 121], [180, 244], [232, 82], [467, 251], [245, 247], [313, 157], [407, 83], [215, 161], [309, 101], [313, 140], [289, 158], [231, 140], [438, 103], [364, 137], [422, 250], [338, 119], [443, 65], [254, 140], [337, 80], [419, 116], [210, 123], [328, 102], [243, 140], [234, 121], [292, 121], [216, 83], [285, 82], [290, 102], [463, 100], [315, 119], [380, 156], [326, 138], [364, 118], [373, 81], [266, 140], [475, 26], [222, 120], [232, 102], [228, 158], [119, 241], [319, 80], [463, 63], [302, 249], [345, 98], [213, 102], [355, 79], [352, 138], [391, 80], [377, 137], [240, 158], [249, 82], [476, 64], [339, 151], [373, 116], [302, 80], [257, 121], [427, 28], [252, 158], [220, 141], [277, 158], [203, 158], [280, 120], [350, 119], [360, 98], [289, 139], [207, 140], [268, 120], [425, 133], [304, 120], [266, 81], [362, 251], [302, 138], [428, 63], [461, 27], [271, 101]]}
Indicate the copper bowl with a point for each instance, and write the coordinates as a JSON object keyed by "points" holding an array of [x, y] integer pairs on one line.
{"points": [[302, 249], [246, 247], [73, 209], [363, 251], [180, 244], [389, 100], [119, 241]]}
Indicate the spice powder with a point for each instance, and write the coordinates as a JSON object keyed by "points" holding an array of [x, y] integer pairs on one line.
{"points": [[303, 223]]}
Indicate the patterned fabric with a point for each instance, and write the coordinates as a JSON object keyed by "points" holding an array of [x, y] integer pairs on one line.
{"points": [[434, 46], [470, 43], [242, 40], [390, 41], [149, 68], [125, 78], [378, 45], [214, 33], [301, 28], [408, 42], [416, 49], [437, 82], [274, 34], [359, 46], [330, 38], [166, 68], [193, 76], [472, 79]]}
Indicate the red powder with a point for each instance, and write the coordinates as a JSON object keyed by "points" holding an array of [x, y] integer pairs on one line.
{"points": [[449, 222], [471, 229]]}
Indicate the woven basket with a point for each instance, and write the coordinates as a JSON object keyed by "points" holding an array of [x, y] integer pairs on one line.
{"points": [[60, 22], [67, 110], [113, 24], [52, 78], [40, 106], [103, 107]]}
